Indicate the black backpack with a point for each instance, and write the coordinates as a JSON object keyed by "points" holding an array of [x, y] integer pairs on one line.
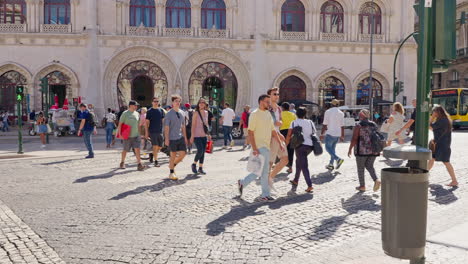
{"points": [[190, 117], [91, 119], [377, 140], [297, 137]]}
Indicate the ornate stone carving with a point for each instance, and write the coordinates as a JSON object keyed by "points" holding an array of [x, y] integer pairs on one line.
{"points": [[379, 38], [225, 57], [288, 35], [387, 92], [141, 30], [10, 66], [334, 37], [74, 83], [178, 32], [311, 93], [214, 33], [58, 29], [126, 56]]}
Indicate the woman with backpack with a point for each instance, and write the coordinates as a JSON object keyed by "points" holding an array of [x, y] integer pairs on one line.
{"points": [[363, 149], [200, 134], [300, 137], [441, 126]]}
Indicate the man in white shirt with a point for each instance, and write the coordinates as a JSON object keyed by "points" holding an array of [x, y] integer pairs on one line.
{"points": [[333, 131], [227, 116]]}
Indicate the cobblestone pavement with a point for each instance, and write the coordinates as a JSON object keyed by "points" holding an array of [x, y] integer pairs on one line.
{"points": [[19, 244], [88, 211]]}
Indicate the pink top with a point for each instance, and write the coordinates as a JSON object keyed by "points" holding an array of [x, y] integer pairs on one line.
{"points": [[197, 125], [142, 119]]}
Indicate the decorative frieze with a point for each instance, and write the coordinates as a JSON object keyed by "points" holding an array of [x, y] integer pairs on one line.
{"points": [[214, 33], [178, 32], [142, 31]]}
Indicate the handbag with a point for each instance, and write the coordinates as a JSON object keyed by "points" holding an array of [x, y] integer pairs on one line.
{"points": [[124, 131], [205, 127], [318, 149], [209, 147], [385, 127], [49, 130], [255, 164], [432, 145]]}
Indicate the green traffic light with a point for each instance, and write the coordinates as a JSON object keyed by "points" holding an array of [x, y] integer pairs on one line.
{"points": [[19, 97]]}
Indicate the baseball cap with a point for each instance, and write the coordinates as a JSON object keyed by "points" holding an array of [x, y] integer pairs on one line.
{"points": [[188, 106], [335, 102], [133, 102]]}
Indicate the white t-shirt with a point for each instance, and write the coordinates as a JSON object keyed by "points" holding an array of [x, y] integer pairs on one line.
{"points": [[228, 115], [334, 120], [110, 117], [308, 129]]}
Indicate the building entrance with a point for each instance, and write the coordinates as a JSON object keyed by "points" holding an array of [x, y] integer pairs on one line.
{"points": [[142, 90]]}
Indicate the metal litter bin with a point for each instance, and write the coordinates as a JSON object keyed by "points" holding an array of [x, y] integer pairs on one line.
{"points": [[404, 203]]}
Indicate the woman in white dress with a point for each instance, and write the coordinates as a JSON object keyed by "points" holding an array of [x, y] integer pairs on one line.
{"points": [[395, 123]]}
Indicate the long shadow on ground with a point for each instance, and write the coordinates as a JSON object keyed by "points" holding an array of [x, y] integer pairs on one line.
{"points": [[357, 202], [238, 213], [106, 175], [442, 195], [166, 183]]}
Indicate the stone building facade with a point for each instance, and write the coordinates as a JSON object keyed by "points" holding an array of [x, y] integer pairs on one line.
{"points": [[457, 75], [109, 51]]}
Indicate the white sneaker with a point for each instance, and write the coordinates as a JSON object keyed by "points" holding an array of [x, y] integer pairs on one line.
{"points": [[232, 144], [173, 177], [224, 147]]}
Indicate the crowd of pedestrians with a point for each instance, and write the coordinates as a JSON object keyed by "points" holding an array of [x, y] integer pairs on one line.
{"points": [[276, 134]]}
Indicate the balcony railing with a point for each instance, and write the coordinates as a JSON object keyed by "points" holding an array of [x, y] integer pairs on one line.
{"points": [[453, 83], [142, 31], [338, 37], [214, 33], [178, 32], [13, 28], [54, 28], [378, 38], [293, 35]]}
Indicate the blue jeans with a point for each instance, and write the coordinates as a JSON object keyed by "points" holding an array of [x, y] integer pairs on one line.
{"points": [[330, 146], [5, 126], [227, 134], [87, 140], [109, 130], [265, 174]]}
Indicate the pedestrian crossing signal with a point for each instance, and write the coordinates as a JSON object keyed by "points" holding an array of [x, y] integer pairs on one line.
{"points": [[19, 93]]}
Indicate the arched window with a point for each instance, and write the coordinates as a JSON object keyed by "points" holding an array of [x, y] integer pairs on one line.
{"points": [[12, 11], [368, 12], [213, 13], [331, 88], [362, 97], [178, 14], [293, 16], [142, 12], [332, 17], [57, 12], [292, 88]]}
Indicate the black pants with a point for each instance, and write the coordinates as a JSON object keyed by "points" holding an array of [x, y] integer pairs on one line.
{"points": [[284, 132], [200, 143], [302, 163]]}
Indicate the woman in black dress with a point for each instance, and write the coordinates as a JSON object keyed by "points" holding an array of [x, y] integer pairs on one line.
{"points": [[441, 125]]}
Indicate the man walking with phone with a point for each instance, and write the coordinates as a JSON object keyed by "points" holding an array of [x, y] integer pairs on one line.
{"points": [[87, 128]]}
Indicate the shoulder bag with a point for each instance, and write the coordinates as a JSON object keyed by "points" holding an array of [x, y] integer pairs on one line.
{"points": [[318, 149], [205, 127]]}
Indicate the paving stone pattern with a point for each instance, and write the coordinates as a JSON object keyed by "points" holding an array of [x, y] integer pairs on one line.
{"points": [[91, 212]]}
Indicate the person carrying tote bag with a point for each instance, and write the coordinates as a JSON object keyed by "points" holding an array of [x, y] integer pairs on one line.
{"points": [[200, 135], [302, 151]]}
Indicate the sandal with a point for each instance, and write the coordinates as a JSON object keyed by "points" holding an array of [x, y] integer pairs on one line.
{"points": [[361, 189], [294, 183], [453, 184], [310, 189]]}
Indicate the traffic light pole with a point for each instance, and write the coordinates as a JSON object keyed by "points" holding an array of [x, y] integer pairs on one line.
{"points": [[20, 128], [394, 65], [425, 60]]}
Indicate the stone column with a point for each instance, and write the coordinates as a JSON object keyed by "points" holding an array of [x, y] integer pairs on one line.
{"points": [[196, 18], [126, 14], [40, 15], [160, 17], [92, 89], [118, 17], [73, 21]]}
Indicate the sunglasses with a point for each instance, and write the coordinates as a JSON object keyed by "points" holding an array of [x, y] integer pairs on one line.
{"points": [[276, 94], [155, 101]]}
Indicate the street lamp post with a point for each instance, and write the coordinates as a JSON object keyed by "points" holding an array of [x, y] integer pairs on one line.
{"points": [[371, 82], [394, 64]]}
